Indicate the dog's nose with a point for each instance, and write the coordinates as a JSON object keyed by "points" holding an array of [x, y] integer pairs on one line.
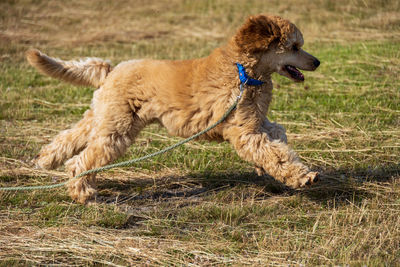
{"points": [[316, 63]]}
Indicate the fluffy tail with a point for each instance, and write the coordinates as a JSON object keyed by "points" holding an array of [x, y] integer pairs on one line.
{"points": [[87, 72]]}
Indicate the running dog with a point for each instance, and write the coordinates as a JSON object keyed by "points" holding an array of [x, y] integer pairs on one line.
{"points": [[185, 96]]}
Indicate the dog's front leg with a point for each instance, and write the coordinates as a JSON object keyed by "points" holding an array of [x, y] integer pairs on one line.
{"points": [[275, 157], [274, 130]]}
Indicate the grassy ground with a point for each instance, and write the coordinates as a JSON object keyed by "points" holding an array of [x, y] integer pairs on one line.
{"points": [[201, 204]]}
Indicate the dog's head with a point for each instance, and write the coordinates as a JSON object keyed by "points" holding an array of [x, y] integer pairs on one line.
{"points": [[277, 43]]}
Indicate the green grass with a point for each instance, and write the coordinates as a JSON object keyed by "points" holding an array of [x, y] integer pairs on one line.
{"points": [[201, 204]]}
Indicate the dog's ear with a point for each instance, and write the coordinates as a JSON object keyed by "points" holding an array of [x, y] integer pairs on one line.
{"points": [[260, 31]]}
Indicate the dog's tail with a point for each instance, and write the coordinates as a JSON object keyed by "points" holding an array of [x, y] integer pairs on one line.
{"points": [[87, 72]]}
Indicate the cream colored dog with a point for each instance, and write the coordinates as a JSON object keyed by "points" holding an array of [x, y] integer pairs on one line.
{"points": [[185, 97]]}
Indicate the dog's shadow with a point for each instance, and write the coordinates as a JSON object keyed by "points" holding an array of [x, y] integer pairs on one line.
{"points": [[340, 186], [189, 186]]}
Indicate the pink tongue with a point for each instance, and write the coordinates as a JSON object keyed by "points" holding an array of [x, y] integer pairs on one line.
{"points": [[295, 73]]}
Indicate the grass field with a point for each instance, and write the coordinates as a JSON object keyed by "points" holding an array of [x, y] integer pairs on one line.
{"points": [[201, 205]]}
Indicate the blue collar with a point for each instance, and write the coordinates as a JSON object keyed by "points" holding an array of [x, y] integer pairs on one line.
{"points": [[244, 79]]}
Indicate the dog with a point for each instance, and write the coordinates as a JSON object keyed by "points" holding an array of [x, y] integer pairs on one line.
{"points": [[184, 96]]}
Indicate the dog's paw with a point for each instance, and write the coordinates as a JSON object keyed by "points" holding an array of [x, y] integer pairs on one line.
{"points": [[259, 170], [73, 167], [82, 191], [303, 180], [44, 161], [308, 179]]}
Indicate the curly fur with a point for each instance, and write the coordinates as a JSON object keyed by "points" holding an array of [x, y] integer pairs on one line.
{"points": [[260, 31], [87, 72], [185, 97]]}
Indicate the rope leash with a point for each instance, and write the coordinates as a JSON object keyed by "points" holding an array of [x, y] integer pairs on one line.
{"points": [[130, 162]]}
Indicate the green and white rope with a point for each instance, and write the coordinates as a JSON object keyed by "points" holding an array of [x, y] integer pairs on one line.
{"points": [[130, 162]]}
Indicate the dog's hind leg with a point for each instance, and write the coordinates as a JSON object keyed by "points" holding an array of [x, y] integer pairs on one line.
{"points": [[66, 144], [116, 127]]}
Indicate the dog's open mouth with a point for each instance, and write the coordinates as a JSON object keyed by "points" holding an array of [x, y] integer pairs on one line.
{"points": [[294, 73]]}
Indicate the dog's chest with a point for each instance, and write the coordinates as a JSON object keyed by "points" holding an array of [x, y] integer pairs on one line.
{"points": [[262, 100]]}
